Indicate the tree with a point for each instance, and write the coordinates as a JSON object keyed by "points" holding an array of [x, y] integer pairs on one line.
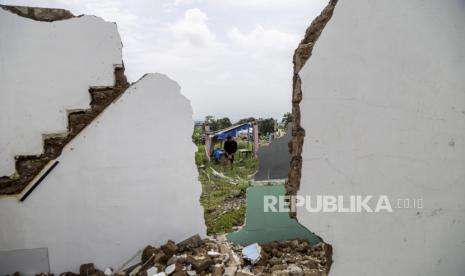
{"points": [[287, 118], [245, 120], [266, 125], [217, 124], [223, 123]]}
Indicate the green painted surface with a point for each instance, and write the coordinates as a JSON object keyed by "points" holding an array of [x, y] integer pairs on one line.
{"points": [[264, 227]]}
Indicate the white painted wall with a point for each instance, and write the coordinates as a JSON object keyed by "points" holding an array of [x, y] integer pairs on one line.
{"points": [[128, 180], [384, 113], [45, 70]]}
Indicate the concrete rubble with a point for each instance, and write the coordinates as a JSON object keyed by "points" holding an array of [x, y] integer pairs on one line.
{"points": [[215, 256]]}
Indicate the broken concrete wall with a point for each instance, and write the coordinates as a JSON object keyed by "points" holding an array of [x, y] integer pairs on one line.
{"points": [[46, 71], [384, 114], [127, 180]]}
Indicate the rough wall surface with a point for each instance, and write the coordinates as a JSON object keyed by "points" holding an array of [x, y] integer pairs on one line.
{"points": [[301, 56], [39, 14], [127, 180], [384, 113], [46, 69]]}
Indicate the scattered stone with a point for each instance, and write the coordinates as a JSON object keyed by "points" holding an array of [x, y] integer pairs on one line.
{"points": [[230, 271], [243, 273], [224, 249], [294, 270], [172, 260], [191, 242], [217, 257], [108, 271], [148, 252], [180, 273], [234, 260], [169, 248], [199, 264], [217, 270], [258, 269], [170, 269], [152, 271], [87, 269], [278, 267], [213, 253], [135, 270], [160, 257], [64, 274]]}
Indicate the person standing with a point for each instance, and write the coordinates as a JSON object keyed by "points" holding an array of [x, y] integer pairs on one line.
{"points": [[230, 148]]}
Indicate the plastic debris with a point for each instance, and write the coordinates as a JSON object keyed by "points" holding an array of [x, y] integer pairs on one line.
{"points": [[252, 252]]}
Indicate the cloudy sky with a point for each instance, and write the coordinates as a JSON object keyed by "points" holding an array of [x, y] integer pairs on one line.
{"points": [[231, 57]]}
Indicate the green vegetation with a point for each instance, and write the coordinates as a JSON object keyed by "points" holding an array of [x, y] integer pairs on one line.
{"points": [[224, 189], [217, 124], [287, 118]]}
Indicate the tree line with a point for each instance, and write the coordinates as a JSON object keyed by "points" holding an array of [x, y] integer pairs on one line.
{"points": [[265, 125]]}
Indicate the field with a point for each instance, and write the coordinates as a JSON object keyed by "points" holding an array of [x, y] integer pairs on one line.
{"points": [[224, 189]]}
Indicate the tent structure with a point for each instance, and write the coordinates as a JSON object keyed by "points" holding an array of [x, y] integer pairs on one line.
{"points": [[211, 138], [223, 134]]}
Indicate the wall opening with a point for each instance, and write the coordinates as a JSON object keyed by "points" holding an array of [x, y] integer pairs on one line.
{"points": [[225, 183]]}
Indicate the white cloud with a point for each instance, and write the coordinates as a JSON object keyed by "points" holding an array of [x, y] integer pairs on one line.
{"points": [[271, 5], [193, 28], [183, 2], [235, 62], [268, 40]]}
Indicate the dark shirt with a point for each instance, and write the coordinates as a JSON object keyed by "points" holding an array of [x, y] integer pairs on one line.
{"points": [[230, 146]]}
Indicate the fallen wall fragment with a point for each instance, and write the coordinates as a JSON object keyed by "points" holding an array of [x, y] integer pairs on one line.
{"points": [[382, 99], [56, 78]]}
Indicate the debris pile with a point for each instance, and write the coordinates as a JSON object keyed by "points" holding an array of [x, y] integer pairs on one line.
{"points": [[215, 256]]}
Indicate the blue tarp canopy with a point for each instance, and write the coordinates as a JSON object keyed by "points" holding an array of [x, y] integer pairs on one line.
{"points": [[231, 131]]}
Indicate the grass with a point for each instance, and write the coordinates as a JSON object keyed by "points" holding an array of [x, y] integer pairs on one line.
{"points": [[224, 199]]}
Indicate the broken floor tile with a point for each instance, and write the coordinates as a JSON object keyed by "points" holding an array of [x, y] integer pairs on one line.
{"points": [[265, 227]]}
